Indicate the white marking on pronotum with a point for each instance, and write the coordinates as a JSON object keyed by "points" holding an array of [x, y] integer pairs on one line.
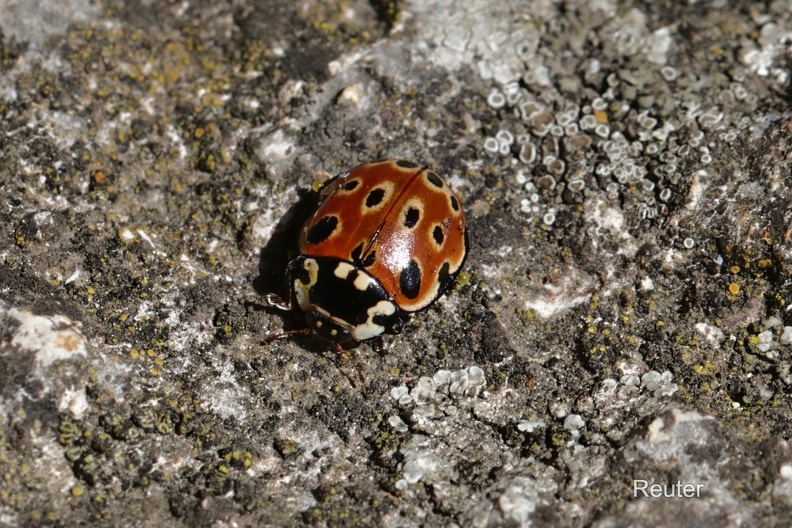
{"points": [[302, 291], [362, 281], [343, 269], [369, 329]]}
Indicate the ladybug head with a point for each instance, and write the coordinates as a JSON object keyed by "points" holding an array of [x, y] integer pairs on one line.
{"points": [[341, 302]]}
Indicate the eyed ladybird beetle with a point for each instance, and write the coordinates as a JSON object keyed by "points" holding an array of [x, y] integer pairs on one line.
{"points": [[386, 240]]}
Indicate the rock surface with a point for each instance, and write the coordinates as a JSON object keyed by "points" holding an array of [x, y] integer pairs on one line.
{"points": [[623, 326]]}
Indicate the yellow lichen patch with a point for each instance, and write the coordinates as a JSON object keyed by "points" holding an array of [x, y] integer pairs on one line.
{"points": [[703, 370], [734, 288]]}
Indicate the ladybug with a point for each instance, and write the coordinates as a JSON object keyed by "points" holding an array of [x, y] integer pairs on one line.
{"points": [[386, 240]]}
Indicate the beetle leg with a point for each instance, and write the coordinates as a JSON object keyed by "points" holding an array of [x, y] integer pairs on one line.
{"points": [[378, 344], [338, 349], [276, 301], [284, 335]]}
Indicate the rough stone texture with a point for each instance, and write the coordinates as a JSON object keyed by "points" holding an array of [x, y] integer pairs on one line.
{"points": [[625, 317]]}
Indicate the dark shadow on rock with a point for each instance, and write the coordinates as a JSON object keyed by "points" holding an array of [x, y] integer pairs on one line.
{"points": [[281, 248], [274, 259]]}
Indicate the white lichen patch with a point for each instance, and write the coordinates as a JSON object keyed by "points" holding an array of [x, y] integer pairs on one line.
{"points": [[271, 211], [35, 21], [765, 341], [421, 465], [782, 486], [512, 502], [662, 430], [49, 338], [764, 59], [786, 335], [697, 188], [64, 128], [353, 96], [277, 146], [657, 46], [225, 397], [183, 335], [569, 288], [712, 334], [481, 33], [615, 400], [436, 407], [605, 219], [73, 402], [51, 466]]}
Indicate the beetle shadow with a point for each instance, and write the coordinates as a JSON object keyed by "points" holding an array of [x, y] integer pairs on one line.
{"points": [[281, 248], [274, 259]]}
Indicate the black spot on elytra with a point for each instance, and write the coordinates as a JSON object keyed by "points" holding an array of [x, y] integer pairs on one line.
{"points": [[435, 180], [410, 280], [437, 234], [407, 164], [412, 217], [350, 185], [357, 252], [375, 197], [454, 203], [445, 278], [357, 257], [322, 230]]}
